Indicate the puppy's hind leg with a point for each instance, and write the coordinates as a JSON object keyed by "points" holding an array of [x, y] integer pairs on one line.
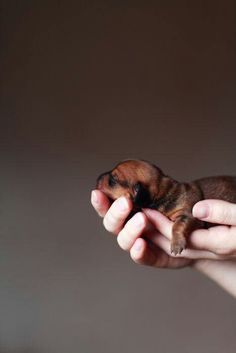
{"points": [[183, 226]]}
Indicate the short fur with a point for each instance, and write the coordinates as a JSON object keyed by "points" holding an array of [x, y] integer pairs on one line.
{"points": [[148, 187]]}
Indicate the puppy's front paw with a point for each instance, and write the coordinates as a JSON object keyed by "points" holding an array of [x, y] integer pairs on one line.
{"points": [[178, 245]]}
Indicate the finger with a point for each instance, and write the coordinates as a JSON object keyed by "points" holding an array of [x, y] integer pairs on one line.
{"points": [[117, 214], [100, 202], [220, 240], [163, 243], [132, 230], [215, 211], [144, 254], [161, 223]]}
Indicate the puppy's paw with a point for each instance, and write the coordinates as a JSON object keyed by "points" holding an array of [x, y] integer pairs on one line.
{"points": [[178, 245]]}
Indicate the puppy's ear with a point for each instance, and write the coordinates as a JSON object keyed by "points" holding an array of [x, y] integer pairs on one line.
{"points": [[141, 195]]}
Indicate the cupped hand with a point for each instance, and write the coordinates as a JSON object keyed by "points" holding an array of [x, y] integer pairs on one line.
{"points": [[147, 234], [138, 235], [147, 237], [215, 243]]}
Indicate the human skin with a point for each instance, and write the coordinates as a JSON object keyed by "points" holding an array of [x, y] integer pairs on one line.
{"points": [[146, 236]]}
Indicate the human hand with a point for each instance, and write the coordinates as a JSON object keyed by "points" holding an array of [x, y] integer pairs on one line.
{"points": [[149, 232], [136, 236], [154, 250], [206, 247], [215, 243], [221, 239]]}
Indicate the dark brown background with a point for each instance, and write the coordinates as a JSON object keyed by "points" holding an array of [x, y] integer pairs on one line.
{"points": [[84, 85]]}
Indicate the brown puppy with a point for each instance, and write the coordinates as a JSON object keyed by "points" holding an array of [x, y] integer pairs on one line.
{"points": [[147, 186]]}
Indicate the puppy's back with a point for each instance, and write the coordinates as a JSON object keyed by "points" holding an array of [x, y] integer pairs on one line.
{"points": [[218, 187]]}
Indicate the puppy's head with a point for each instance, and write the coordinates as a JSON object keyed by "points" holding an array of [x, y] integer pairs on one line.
{"points": [[134, 179]]}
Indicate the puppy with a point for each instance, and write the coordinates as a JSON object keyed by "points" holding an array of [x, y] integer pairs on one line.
{"points": [[148, 187]]}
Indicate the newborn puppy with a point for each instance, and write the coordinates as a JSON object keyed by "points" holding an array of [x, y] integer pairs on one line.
{"points": [[147, 186]]}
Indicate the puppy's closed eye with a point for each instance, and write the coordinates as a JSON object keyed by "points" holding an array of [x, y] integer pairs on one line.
{"points": [[112, 181]]}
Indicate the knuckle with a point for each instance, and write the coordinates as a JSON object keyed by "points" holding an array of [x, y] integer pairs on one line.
{"points": [[213, 213], [225, 216], [222, 213]]}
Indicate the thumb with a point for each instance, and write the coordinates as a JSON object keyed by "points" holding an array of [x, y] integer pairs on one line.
{"points": [[215, 211]]}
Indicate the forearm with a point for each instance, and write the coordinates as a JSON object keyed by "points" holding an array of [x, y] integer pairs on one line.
{"points": [[222, 272]]}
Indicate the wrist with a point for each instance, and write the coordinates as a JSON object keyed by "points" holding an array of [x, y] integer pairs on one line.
{"points": [[223, 272]]}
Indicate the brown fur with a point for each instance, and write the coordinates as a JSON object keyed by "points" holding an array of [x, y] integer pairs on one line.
{"points": [[147, 186]]}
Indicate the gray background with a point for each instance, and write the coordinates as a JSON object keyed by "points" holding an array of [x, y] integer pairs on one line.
{"points": [[84, 85]]}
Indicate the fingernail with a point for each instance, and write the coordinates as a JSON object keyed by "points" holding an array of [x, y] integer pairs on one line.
{"points": [[94, 197], [200, 211], [122, 204]]}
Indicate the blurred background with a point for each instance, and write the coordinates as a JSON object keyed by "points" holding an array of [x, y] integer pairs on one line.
{"points": [[85, 84]]}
